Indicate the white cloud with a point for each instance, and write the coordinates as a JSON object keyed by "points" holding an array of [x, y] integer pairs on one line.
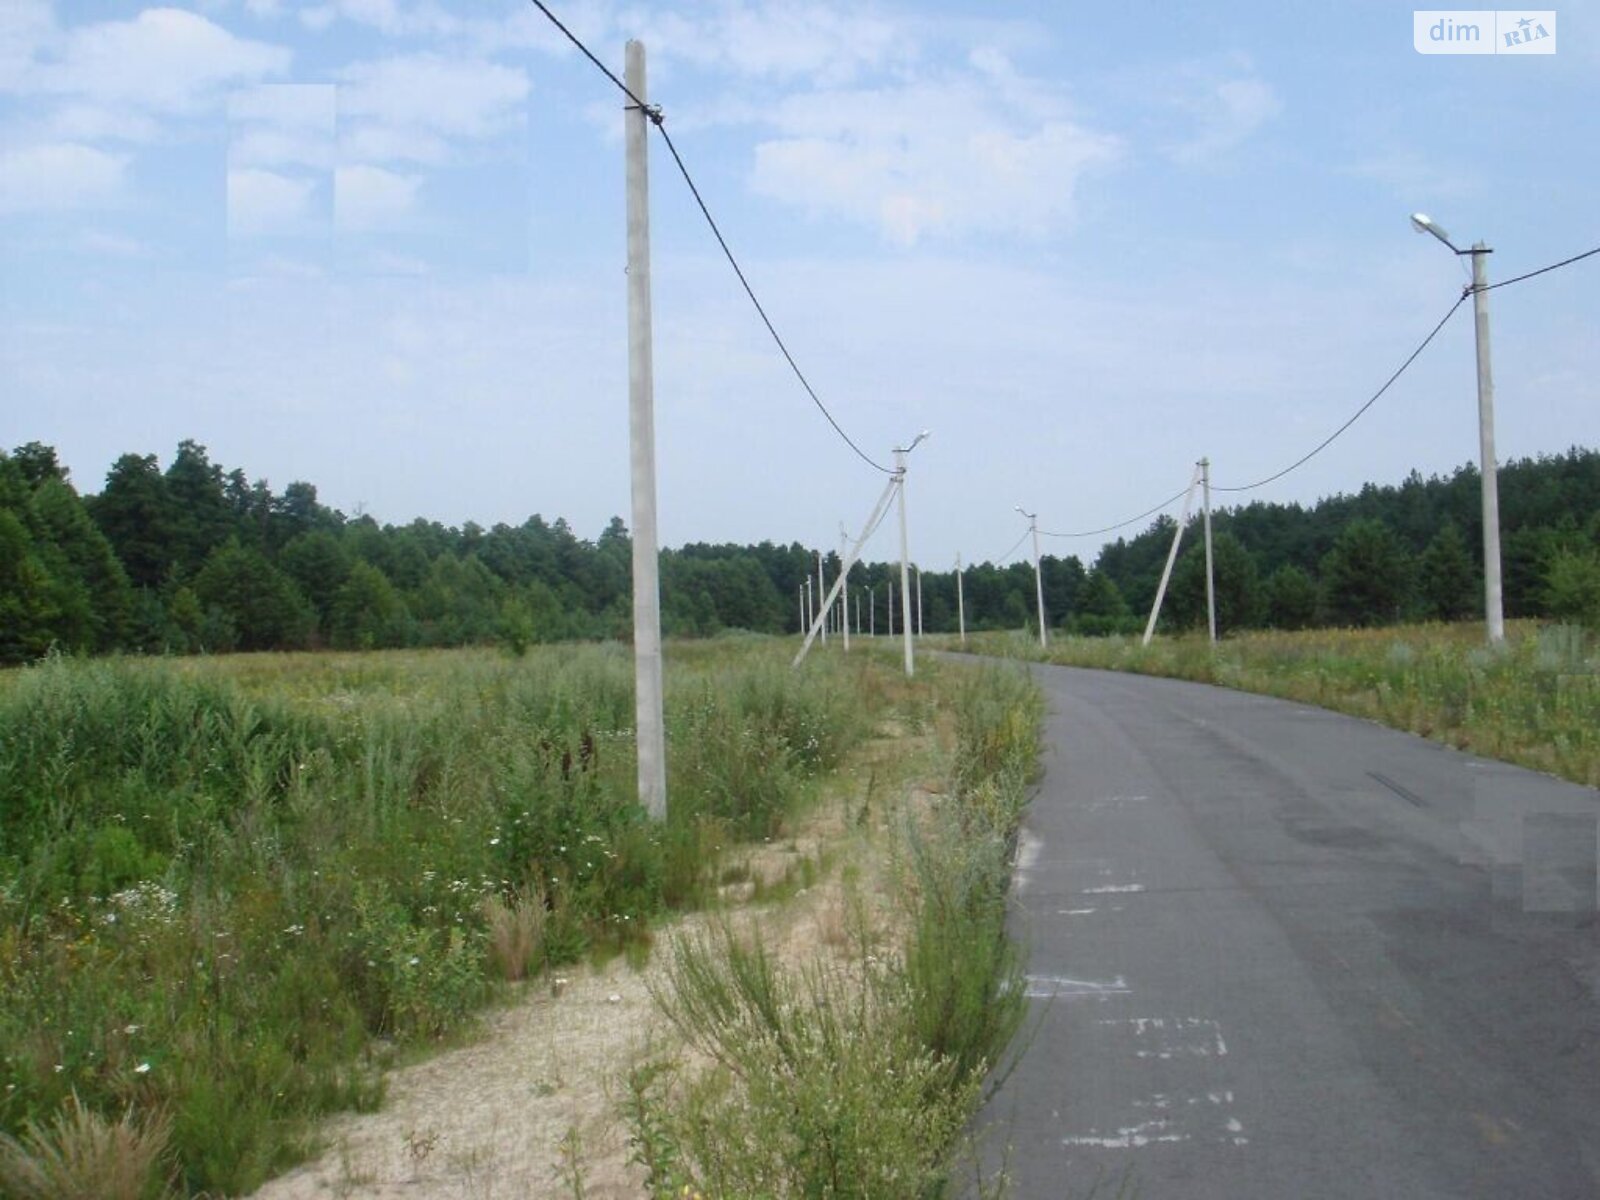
{"points": [[25, 26], [80, 122], [60, 175], [371, 198], [318, 18], [266, 202], [295, 105], [164, 60], [407, 107], [940, 157], [1227, 113], [391, 144], [819, 43], [283, 124]]}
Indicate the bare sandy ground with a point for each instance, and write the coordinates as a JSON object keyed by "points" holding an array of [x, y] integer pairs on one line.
{"points": [[540, 1092]]}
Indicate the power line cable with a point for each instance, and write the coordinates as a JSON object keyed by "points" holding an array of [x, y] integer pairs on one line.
{"points": [[1120, 524], [653, 112], [589, 54], [766, 320], [1356, 416], [1013, 549], [1565, 262]]}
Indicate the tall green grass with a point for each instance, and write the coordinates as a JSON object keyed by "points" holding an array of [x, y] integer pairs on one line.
{"points": [[1535, 700], [232, 889]]}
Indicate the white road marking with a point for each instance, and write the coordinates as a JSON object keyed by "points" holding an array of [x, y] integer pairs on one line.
{"points": [[1170, 1041], [1113, 887], [1130, 1137], [1043, 987]]}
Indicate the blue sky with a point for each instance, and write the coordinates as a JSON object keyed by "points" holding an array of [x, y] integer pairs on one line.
{"points": [[379, 245]]}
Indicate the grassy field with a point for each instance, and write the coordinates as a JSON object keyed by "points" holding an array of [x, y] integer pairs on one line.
{"points": [[1535, 701], [233, 890]]}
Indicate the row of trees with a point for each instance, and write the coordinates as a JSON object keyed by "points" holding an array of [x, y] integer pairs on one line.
{"points": [[196, 557], [1385, 554]]}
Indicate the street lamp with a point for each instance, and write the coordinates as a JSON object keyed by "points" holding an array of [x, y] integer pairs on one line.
{"points": [[900, 453], [1494, 613], [1038, 577]]}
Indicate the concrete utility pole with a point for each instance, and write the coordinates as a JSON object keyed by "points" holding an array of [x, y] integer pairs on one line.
{"points": [[1493, 599], [821, 592], [900, 453], [1493, 602], [649, 725], [840, 590], [844, 574], [1172, 557], [1038, 573], [872, 614], [961, 603], [1211, 578]]}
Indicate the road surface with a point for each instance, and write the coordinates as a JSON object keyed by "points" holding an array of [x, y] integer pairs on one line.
{"points": [[1281, 954]]}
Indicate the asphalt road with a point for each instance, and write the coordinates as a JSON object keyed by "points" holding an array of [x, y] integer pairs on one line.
{"points": [[1279, 953]]}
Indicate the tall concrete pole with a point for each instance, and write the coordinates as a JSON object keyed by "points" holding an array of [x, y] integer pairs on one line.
{"points": [[1494, 612], [1172, 557], [961, 603], [1038, 573], [844, 595], [821, 592], [1038, 586], [1211, 578], [900, 453], [802, 596], [905, 565], [919, 601], [872, 614], [649, 724]]}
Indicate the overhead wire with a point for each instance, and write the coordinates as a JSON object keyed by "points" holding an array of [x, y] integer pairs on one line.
{"points": [[1565, 262], [1014, 546], [1356, 416], [1121, 524], [1467, 291], [658, 119]]}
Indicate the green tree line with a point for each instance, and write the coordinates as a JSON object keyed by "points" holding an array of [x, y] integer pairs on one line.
{"points": [[199, 558]]}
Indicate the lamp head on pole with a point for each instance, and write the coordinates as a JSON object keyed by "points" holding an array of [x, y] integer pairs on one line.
{"points": [[1026, 513], [1423, 223], [913, 446]]}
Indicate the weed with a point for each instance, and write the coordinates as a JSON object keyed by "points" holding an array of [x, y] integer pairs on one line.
{"points": [[516, 931], [80, 1155]]}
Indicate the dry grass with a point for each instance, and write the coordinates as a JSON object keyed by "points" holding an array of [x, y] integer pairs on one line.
{"points": [[81, 1155], [516, 931]]}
